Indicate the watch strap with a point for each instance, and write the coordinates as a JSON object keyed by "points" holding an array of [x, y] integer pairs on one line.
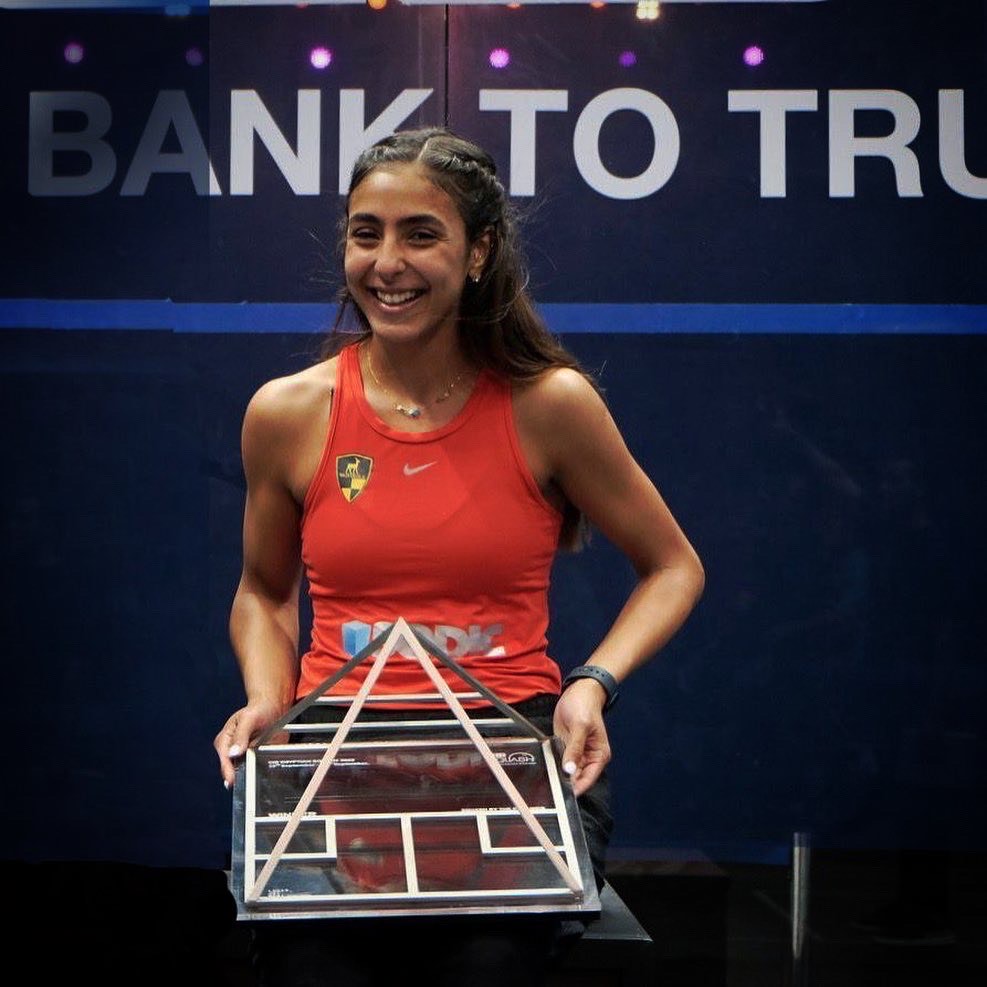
{"points": [[600, 675]]}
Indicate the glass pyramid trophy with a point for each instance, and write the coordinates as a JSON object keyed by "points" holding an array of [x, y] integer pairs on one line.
{"points": [[410, 813]]}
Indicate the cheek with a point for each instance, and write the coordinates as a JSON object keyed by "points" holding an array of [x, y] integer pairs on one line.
{"points": [[352, 267]]}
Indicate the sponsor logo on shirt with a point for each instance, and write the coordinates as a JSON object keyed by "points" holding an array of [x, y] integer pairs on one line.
{"points": [[454, 641]]}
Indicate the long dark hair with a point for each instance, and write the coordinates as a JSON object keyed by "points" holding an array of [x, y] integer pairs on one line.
{"points": [[499, 328]]}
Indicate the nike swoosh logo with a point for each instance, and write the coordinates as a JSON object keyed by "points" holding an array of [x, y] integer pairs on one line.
{"points": [[412, 470]]}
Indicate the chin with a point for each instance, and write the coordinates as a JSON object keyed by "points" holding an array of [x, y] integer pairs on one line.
{"points": [[409, 332]]}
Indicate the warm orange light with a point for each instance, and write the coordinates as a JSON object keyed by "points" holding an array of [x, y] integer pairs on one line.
{"points": [[597, 4], [376, 4], [514, 6]]}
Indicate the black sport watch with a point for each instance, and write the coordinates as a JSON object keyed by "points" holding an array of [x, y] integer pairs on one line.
{"points": [[601, 675]]}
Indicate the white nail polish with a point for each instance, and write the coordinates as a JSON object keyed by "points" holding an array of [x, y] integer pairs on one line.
{"points": [[226, 784], [569, 767], [234, 751]]}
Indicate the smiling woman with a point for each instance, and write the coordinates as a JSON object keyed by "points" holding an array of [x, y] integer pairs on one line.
{"points": [[430, 466]]}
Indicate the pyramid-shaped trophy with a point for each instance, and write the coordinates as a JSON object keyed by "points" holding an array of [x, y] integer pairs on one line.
{"points": [[366, 804]]}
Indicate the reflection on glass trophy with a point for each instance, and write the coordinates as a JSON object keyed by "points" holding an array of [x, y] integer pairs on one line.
{"points": [[430, 810]]}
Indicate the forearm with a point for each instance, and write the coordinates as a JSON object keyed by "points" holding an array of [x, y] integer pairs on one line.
{"points": [[658, 606], [264, 635]]}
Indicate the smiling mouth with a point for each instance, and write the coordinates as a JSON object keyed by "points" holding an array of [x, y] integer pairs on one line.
{"points": [[397, 297]]}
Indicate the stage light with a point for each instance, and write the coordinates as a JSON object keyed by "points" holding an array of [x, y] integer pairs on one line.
{"points": [[321, 58], [597, 4], [500, 58], [194, 57], [648, 10], [753, 56], [376, 4], [73, 53], [627, 59]]}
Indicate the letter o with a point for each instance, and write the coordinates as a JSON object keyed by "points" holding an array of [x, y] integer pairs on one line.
{"points": [[586, 143]]}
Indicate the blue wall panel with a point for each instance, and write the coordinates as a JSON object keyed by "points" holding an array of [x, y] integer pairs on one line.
{"points": [[802, 376]]}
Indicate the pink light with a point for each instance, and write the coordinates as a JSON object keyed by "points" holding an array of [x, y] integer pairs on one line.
{"points": [[194, 57], [753, 56], [321, 58], [627, 59], [73, 52], [500, 58]]}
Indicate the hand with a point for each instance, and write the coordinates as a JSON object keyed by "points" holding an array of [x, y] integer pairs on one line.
{"points": [[239, 730], [579, 725]]}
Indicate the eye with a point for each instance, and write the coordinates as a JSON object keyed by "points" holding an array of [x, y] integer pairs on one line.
{"points": [[422, 236], [363, 234]]}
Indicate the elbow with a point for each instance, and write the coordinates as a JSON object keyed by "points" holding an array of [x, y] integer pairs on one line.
{"points": [[682, 576], [699, 581], [698, 573], [692, 578]]}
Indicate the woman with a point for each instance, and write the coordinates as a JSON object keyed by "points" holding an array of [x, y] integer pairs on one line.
{"points": [[465, 445]]}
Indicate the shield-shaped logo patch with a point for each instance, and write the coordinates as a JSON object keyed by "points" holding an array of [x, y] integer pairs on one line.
{"points": [[353, 474]]}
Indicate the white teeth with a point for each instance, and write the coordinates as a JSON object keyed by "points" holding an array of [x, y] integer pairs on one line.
{"points": [[395, 298]]}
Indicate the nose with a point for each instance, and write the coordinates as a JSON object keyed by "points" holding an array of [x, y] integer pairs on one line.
{"points": [[389, 262]]}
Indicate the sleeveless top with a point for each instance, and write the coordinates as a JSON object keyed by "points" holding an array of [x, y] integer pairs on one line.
{"points": [[447, 529]]}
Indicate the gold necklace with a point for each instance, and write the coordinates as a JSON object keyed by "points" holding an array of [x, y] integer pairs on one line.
{"points": [[412, 410]]}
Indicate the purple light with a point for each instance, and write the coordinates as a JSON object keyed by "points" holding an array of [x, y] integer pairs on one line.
{"points": [[321, 58], [73, 53], [753, 56], [500, 58], [627, 59], [194, 57]]}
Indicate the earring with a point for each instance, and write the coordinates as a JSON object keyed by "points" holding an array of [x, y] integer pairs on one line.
{"points": [[475, 278]]}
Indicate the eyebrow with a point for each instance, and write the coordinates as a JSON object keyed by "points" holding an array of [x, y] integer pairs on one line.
{"points": [[425, 217]]}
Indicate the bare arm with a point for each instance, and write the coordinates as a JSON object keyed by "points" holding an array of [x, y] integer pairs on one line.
{"points": [[571, 438], [264, 616]]}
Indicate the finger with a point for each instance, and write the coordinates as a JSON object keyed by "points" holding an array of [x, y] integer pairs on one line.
{"points": [[238, 736], [572, 756], [587, 778], [228, 748]]}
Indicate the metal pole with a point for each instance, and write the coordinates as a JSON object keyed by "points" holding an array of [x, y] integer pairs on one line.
{"points": [[800, 908]]}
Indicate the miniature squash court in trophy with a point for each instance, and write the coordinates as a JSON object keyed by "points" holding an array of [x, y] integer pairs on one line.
{"points": [[353, 813]]}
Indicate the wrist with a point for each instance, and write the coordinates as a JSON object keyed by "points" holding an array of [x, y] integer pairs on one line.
{"points": [[599, 675]]}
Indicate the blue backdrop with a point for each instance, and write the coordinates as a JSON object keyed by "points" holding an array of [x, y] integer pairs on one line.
{"points": [[801, 373]]}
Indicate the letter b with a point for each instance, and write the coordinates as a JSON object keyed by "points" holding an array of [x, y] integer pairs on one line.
{"points": [[44, 141]]}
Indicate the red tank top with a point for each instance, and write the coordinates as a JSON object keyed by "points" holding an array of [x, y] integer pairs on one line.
{"points": [[447, 529]]}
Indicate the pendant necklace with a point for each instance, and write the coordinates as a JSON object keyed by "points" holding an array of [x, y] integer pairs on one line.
{"points": [[412, 410]]}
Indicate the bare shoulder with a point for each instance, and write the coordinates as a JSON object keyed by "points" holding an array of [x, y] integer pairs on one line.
{"points": [[287, 403], [558, 390], [284, 426], [557, 403], [560, 418]]}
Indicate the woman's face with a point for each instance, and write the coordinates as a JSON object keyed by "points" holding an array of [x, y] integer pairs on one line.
{"points": [[407, 257]]}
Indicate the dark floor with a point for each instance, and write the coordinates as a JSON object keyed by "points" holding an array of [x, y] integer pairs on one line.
{"points": [[730, 925], [714, 924]]}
